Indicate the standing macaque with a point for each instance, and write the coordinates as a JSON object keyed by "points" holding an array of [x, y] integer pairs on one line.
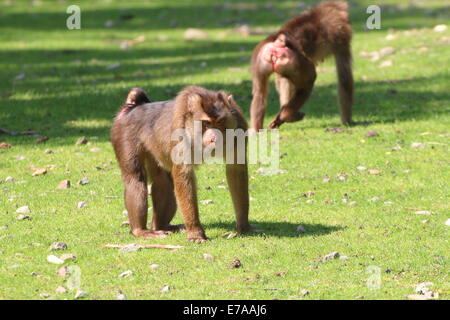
{"points": [[142, 137], [293, 53]]}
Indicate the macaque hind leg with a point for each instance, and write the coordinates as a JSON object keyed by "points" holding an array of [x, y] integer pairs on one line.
{"points": [[163, 198], [137, 205]]}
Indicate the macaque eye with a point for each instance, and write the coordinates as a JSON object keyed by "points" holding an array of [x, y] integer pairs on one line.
{"points": [[207, 123]]}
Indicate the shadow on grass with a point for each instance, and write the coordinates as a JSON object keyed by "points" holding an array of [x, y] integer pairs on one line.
{"points": [[162, 16], [279, 229], [382, 101]]}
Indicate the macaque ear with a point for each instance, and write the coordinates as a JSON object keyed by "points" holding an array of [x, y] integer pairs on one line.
{"points": [[195, 107], [194, 103]]}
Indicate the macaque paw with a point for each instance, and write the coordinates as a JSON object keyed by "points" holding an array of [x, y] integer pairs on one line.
{"points": [[171, 228], [196, 236], [244, 229], [275, 123], [149, 234]]}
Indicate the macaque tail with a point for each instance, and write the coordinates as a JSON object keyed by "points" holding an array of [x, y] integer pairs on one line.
{"points": [[135, 97]]}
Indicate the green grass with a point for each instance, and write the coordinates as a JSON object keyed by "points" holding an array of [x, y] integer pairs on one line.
{"points": [[67, 93]]}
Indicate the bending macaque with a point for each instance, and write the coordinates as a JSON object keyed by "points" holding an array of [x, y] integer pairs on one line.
{"points": [[142, 139], [293, 52]]}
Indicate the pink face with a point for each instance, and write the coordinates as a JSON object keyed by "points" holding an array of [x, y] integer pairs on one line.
{"points": [[276, 55], [210, 137]]}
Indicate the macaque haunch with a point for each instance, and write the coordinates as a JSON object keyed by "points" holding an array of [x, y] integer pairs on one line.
{"points": [[293, 53], [142, 139]]}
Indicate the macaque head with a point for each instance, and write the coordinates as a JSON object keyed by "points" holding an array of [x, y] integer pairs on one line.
{"points": [[213, 110]]}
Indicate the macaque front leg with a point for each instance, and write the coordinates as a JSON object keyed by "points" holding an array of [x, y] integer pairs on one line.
{"points": [[290, 112], [259, 101], [186, 195], [237, 178]]}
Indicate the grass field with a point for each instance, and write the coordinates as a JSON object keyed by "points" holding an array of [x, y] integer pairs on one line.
{"points": [[67, 84]]}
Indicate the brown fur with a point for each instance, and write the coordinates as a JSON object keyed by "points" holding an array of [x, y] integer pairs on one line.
{"points": [[312, 36], [142, 142]]}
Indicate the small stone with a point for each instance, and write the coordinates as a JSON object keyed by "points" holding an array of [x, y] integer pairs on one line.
{"points": [[440, 28], [309, 201], [417, 145], [54, 259], [95, 150], [352, 203], [23, 210], [23, 217], [235, 264], [62, 272], [81, 141], [301, 229], [361, 168], [386, 51], [304, 292], [385, 64], [154, 266], [447, 223], [372, 134], [9, 179], [424, 212], [61, 290], [20, 157], [424, 221], [390, 37], [113, 66], [125, 274], [121, 297], [83, 181], [192, 34], [109, 23], [326, 180], [208, 256], [343, 257], [42, 139], [374, 199], [65, 184], [39, 172], [205, 202], [80, 294], [58, 246], [68, 256], [165, 288], [341, 178], [44, 295], [330, 256], [48, 151], [81, 205], [229, 235], [387, 203], [308, 194], [374, 171]]}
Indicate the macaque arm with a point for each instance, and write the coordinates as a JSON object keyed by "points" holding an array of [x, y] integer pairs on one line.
{"points": [[186, 195], [237, 178], [290, 112]]}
